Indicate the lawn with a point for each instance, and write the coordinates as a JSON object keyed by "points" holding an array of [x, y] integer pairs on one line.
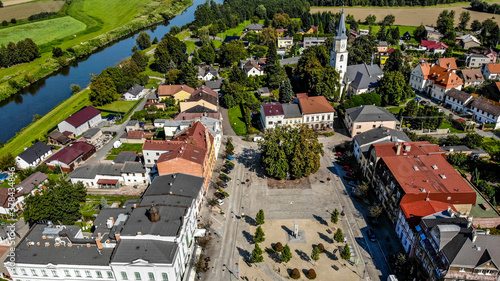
{"points": [[122, 106], [191, 46], [236, 120], [395, 110], [42, 31], [124, 147], [92, 201], [183, 34], [25, 10], [448, 125], [491, 145], [50, 120]]}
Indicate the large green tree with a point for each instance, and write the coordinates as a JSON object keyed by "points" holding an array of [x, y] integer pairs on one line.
{"points": [[286, 92], [464, 20], [170, 53], [286, 254], [143, 40], [140, 59], [446, 24], [7, 161], [257, 254], [361, 50], [393, 88], [103, 91], [232, 52], [207, 54], [293, 151]]}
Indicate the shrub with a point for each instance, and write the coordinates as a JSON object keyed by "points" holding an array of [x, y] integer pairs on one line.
{"points": [[339, 236], [13, 21], [295, 274], [278, 247], [259, 235], [5, 23], [29, 77], [321, 247], [311, 274], [286, 254], [346, 252]]}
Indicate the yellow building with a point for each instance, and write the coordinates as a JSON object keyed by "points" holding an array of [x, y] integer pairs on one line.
{"points": [[178, 92]]}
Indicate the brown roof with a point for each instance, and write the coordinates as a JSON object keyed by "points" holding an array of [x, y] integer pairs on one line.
{"points": [[459, 95], [30, 183], [494, 67], [170, 90], [310, 105], [71, 153], [205, 95], [449, 63], [251, 64], [444, 78], [485, 106], [472, 75], [185, 151], [426, 68], [205, 90], [135, 134], [272, 109], [160, 145], [191, 116], [82, 116], [195, 135], [417, 148]]}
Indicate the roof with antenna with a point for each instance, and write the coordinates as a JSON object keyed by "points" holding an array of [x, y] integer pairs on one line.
{"points": [[341, 31]]}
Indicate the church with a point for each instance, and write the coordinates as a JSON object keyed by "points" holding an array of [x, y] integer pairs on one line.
{"points": [[354, 79]]}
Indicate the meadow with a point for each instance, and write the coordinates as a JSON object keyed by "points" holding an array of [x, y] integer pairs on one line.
{"points": [[25, 10], [42, 31]]}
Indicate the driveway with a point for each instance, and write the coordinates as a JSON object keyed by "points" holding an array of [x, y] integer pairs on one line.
{"points": [[226, 125]]}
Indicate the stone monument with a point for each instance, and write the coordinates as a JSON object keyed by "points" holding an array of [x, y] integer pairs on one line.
{"points": [[297, 236]]}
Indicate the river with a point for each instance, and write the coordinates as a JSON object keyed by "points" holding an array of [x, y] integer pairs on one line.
{"points": [[17, 112]]}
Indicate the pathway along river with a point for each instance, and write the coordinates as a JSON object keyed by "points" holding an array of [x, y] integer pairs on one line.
{"points": [[17, 112]]}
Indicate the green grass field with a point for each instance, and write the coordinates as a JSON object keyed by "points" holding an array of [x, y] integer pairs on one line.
{"points": [[119, 106], [25, 10], [236, 120], [42, 31], [124, 147], [41, 127]]}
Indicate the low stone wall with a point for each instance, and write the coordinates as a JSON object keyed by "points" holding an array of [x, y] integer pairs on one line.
{"points": [[431, 132]]}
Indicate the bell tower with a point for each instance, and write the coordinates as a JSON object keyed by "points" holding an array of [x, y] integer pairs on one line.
{"points": [[339, 54]]}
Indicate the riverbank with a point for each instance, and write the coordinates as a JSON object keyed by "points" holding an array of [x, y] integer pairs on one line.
{"points": [[15, 78]]}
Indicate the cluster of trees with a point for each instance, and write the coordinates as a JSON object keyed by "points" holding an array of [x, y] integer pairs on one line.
{"points": [[363, 99], [59, 202], [112, 82], [290, 152], [483, 6], [416, 117], [42, 15], [170, 54], [362, 50], [380, 3], [24, 51], [318, 77], [393, 88]]}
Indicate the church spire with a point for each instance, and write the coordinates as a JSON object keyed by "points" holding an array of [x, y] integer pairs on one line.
{"points": [[341, 31]]}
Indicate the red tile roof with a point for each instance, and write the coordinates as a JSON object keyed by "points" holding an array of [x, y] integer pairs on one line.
{"points": [[160, 145], [449, 63], [416, 148], [205, 90], [444, 77], [185, 151], [135, 134], [71, 153], [170, 90], [272, 109], [195, 135], [82, 116], [424, 208], [311, 105], [494, 67], [433, 45], [107, 181]]}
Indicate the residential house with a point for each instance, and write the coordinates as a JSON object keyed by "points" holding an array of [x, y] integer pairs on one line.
{"points": [[58, 138], [309, 31], [271, 114], [491, 71], [106, 175], [191, 116], [67, 158], [153, 97], [281, 52], [132, 125], [252, 68], [203, 96], [172, 127], [434, 80], [362, 78], [367, 117], [432, 34], [407, 36], [178, 92], [91, 136], [215, 85], [313, 41], [207, 73], [450, 248], [264, 92], [472, 152], [364, 32], [419, 77], [492, 55], [12, 201], [134, 93], [362, 142], [33, 155], [151, 238], [433, 47], [448, 63], [317, 112], [382, 47], [291, 114], [138, 136], [476, 60], [457, 100], [416, 171], [127, 156], [81, 121], [285, 42], [256, 27], [485, 112], [472, 77], [467, 41]]}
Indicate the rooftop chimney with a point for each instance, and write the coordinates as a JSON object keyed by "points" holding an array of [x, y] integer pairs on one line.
{"points": [[398, 149], [154, 214], [99, 244], [117, 236], [474, 234]]}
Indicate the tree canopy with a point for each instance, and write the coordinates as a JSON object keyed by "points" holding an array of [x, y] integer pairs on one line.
{"points": [[393, 88], [170, 53]]}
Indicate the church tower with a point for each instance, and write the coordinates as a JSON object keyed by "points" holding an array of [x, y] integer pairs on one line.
{"points": [[339, 54]]}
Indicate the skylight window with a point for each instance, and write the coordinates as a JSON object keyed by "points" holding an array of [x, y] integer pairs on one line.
{"points": [[415, 168], [442, 176], [434, 167]]}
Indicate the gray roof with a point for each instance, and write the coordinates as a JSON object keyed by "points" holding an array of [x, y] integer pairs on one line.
{"points": [[124, 156], [215, 84], [483, 250], [485, 106], [263, 90], [100, 223], [204, 70], [132, 123], [314, 39], [383, 44], [288, 61], [341, 30], [169, 225], [31, 182], [133, 167], [459, 95], [176, 123], [90, 133], [378, 134], [368, 113], [153, 96], [285, 38], [463, 148], [177, 184], [168, 200], [199, 109], [291, 110], [364, 76], [255, 26], [149, 250], [34, 152], [135, 90], [90, 171], [78, 254]]}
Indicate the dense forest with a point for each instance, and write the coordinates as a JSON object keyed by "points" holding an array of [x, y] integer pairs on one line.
{"points": [[483, 6], [380, 2]]}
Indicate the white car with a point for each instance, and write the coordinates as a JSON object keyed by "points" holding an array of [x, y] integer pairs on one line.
{"points": [[219, 202]]}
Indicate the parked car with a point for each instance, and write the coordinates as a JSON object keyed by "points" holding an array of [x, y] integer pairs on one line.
{"points": [[371, 235], [338, 154], [219, 202], [230, 157], [227, 171], [220, 195]]}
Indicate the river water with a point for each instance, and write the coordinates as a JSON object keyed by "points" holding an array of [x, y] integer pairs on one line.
{"points": [[17, 112]]}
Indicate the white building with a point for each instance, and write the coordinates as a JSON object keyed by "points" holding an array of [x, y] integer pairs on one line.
{"points": [[271, 114], [313, 41], [458, 100], [486, 112], [434, 80], [317, 112], [207, 73], [148, 239], [81, 121], [339, 54], [102, 175], [135, 92], [252, 68], [491, 70], [33, 155], [15, 200]]}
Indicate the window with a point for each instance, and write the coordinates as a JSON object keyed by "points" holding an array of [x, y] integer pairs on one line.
{"points": [[151, 276], [124, 275], [110, 274], [358, 126], [157, 154], [341, 57], [54, 273], [87, 273], [44, 273], [77, 273], [137, 276], [99, 274], [33, 272], [164, 277], [149, 160], [23, 271], [66, 273]]}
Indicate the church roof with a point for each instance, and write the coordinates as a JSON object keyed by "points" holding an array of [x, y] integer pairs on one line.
{"points": [[341, 31]]}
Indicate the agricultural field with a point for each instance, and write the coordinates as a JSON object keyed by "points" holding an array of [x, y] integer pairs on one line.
{"points": [[15, 2], [25, 10], [42, 31], [410, 16]]}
